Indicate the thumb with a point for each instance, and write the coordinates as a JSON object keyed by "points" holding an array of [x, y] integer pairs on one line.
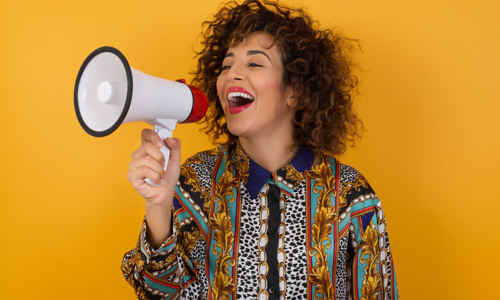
{"points": [[175, 149]]}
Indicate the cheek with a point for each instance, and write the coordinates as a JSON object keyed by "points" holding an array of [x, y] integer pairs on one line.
{"points": [[220, 91], [274, 88], [219, 86]]}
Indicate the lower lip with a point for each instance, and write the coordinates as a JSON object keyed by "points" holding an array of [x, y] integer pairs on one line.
{"points": [[236, 110]]}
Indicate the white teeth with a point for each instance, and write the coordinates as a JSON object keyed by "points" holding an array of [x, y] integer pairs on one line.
{"points": [[232, 95]]}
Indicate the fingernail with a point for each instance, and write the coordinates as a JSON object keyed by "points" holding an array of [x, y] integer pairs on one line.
{"points": [[163, 164], [159, 143]]}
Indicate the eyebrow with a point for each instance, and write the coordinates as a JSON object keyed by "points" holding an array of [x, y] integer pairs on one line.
{"points": [[251, 52]]}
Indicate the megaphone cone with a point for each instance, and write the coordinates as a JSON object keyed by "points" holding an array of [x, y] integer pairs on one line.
{"points": [[109, 92]]}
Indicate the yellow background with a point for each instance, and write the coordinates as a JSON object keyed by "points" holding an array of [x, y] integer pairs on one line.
{"points": [[429, 101]]}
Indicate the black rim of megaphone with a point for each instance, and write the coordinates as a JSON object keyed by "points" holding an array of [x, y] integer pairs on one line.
{"points": [[128, 100]]}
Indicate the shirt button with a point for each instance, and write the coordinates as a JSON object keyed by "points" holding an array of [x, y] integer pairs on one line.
{"points": [[272, 290], [270, 230]]}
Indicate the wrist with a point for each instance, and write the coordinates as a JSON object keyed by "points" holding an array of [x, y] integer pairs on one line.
{"points": [[159, 205]]}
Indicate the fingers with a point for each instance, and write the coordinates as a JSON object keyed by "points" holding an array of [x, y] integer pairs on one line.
{"points": [[149, 149], [137, 176], [145, 167], [148, 135], [147, 162]]}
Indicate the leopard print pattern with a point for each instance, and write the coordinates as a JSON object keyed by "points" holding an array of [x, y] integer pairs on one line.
{"points": [[341, 273], [204, 170], [198, 289], [248, 258], [347, 174]]}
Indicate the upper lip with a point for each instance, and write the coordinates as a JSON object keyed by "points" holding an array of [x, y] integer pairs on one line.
{"points": [[237, 89]]}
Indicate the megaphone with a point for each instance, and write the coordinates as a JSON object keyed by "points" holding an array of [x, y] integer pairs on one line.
{"points": [[109, 92]]}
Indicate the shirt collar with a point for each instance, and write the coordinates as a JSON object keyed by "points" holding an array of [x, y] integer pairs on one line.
{"points": [[287, 178]]}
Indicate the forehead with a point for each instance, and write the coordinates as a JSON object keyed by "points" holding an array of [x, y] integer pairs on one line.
{"points": [[255, 40]]}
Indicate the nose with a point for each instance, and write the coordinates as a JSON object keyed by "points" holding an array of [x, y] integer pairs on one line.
{"points": [[236, 73]]}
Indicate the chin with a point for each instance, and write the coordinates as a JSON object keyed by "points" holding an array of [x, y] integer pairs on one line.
{"points": [[239, 130]]}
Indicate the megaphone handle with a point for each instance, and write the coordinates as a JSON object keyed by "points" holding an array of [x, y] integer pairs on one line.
{"points": [[164, 133]]}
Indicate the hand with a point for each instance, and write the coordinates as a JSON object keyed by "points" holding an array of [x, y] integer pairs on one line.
{"points": [[148, 162]]}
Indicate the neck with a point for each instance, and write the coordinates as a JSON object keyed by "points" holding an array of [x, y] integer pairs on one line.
{"points": [[270, 152]]}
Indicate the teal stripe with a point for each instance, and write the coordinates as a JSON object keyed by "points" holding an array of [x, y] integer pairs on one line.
{"points": [[362, 205], [211, 256], [182, 216], [313, 204], [233, 211], [344, 222]]}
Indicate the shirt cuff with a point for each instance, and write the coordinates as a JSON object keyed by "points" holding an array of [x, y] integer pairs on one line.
{"points": [[164, 249]]}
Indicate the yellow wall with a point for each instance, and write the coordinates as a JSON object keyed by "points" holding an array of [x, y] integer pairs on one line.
{"points": [[430, 103]]}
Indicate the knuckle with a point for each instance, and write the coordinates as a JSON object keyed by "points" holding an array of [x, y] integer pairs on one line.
{"points": [[145, 131], [148, 160], [144, 171]]}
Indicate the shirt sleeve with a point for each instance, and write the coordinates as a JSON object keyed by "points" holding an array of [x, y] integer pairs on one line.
{"points": [[370, 266], [158, 273]]}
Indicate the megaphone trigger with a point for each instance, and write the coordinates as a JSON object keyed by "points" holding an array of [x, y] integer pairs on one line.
{"points": [[164, 128]]}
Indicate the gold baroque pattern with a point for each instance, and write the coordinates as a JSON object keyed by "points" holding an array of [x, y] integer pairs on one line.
{"points": [[221, 224], [132, 267], [167, 264], [293, 174], [213, 152], [325, 216], [369, 246], [187, 244], [242, 163], [346, 188]]}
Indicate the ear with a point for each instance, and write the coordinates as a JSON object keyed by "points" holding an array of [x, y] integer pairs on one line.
{"points": [[290, 99]]}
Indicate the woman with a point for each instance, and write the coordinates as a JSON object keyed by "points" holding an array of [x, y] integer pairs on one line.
{"points": [[270, 214]]}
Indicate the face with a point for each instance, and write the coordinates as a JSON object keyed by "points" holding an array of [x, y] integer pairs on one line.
{"points": [[251, 90]]}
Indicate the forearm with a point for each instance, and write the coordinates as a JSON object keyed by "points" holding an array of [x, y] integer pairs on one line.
{"points": [[159, 222]]}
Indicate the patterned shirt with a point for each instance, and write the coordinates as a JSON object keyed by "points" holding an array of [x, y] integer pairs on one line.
{"points": [[314, 229]]}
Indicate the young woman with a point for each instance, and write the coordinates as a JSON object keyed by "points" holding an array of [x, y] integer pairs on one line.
{"points": [[270, 214]]}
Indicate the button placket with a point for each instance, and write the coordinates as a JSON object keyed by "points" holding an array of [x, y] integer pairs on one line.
{"points": [[272, 290]]}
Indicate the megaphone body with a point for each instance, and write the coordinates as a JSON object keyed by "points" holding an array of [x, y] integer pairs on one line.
{"points": [[109, 92]]}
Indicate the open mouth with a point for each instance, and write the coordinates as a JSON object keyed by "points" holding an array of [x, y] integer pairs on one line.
{"points": [[237, 99]]}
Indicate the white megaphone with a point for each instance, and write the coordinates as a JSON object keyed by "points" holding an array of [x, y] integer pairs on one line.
{"points": [[109, 92]]}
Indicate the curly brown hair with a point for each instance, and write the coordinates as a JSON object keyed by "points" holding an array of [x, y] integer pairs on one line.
{"points": [[318, 64]]}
